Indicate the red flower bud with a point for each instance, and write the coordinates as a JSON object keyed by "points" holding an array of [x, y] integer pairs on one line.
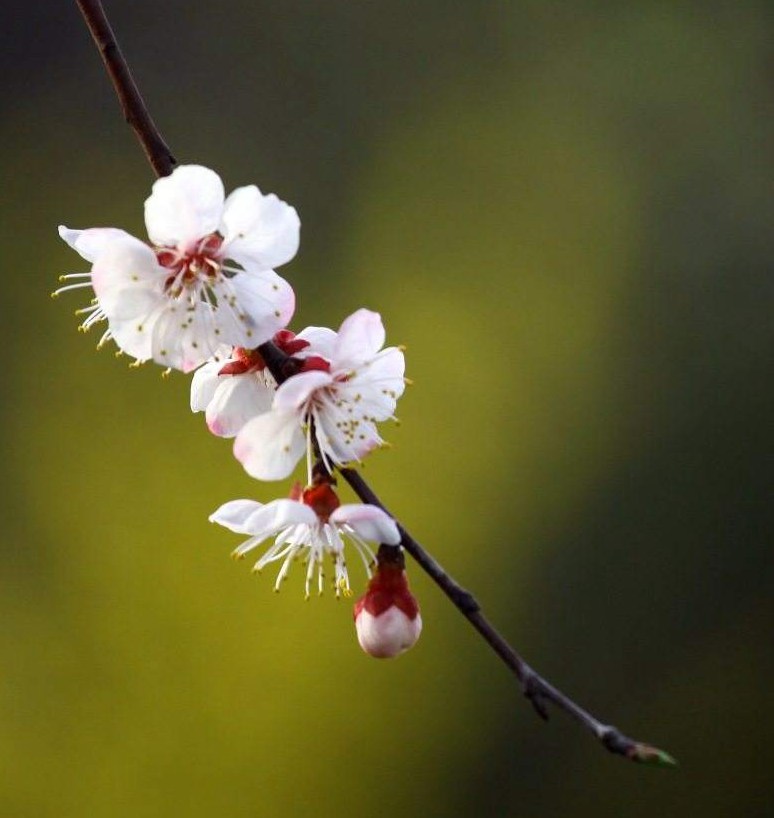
{"points": [[387, 616]]}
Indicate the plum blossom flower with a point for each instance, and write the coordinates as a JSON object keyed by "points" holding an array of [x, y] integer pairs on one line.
{"points": [[309, 525], [205, 280], [387, 618], [236, 386], [340, 401]]}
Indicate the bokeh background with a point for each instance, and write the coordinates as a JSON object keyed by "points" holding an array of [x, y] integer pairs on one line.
{"points": [[564, 210]]}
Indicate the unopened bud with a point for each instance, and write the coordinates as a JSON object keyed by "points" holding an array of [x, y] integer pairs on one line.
{"points": [[387, 617]]}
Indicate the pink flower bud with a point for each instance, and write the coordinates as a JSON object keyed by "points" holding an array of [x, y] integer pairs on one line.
{"points": [[387, 616]]}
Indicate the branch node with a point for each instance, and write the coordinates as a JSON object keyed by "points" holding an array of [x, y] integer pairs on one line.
{"points": [[614, 741], [530, 687], [466, 602]]}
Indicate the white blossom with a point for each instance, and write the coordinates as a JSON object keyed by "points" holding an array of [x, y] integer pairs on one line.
{"points": [[341, 403], [310, 526], [236, 386], [205, 280]]}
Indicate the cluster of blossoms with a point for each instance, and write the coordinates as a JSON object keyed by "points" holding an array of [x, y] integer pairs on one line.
{"points": [[202, 296]]}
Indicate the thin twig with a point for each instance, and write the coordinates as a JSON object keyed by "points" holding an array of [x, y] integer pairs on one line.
{"points": [[535, 687]]}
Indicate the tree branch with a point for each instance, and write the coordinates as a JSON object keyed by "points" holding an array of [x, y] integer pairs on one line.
{"points": [[535, 687], [135, 111]]}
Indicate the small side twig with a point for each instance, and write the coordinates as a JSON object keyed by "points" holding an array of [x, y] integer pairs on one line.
{"points": [[535, 687]]}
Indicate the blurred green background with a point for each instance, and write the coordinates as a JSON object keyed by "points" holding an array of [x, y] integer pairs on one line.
{"points": [[564, 210]]}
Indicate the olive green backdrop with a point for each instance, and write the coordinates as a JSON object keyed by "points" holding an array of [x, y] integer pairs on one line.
{"points": [[564, 210]]}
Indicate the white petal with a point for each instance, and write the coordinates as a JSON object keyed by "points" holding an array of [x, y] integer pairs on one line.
{"points": [[203, 385], [122, 265], [234, 514], [270, 445], [91, 242], [133, 321], [369, 521], [376, 385], [374, 402], [267, 301], [361, 336], [182, 335], [294, 393], [260, 232], [133, 304], [237, 399], [276, 516], [229, 322], [387, 370], [166, 347], [321, 342], [342, 443], [184, 207]]}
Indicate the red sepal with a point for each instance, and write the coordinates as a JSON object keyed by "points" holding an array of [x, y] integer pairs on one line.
{"points": [[388, 587], [315, 363]]}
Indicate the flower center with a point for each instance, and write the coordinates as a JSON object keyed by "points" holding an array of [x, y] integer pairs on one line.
{"points": [[322, 499], [251, 360], [245, 360], [201, 262], [315, 363]]}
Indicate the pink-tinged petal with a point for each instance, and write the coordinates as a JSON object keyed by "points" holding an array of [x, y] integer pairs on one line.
{"points": [[389, 634], [361, 336], [234, 514], [260, 232], [370, 522], [203, 385], [294, 393], [270, 445], [267, 301], [184, 207], [237, 399], [277, 516], [91, 242], [321, 340]]}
